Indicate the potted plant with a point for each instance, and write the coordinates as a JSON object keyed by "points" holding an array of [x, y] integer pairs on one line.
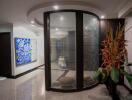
{"points": [[114, 56]]}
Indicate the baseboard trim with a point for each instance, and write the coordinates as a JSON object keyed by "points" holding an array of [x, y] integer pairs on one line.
{"points": [[26, 72]]}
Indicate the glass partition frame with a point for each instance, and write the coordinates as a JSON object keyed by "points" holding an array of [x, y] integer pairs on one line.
{"points": [[79, 50]]}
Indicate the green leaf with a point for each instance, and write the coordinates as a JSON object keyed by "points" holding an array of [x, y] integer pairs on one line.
{"points": [[115, 75], [129, 78], [98, 72], [101, 75]]}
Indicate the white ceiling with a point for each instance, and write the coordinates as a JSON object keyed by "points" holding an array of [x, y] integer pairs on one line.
{"points": [[15, 11]]}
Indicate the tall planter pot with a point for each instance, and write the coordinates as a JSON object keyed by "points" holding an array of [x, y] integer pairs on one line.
{"points": [[111, 86]]}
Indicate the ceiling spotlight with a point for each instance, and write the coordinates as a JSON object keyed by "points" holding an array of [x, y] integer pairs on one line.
{"points": [[32, 22], [56, 7], [56, 29], [61, 18], [102, 17]]}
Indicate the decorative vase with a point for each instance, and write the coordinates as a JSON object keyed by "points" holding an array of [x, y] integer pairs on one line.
{"points": [[111, 86]]}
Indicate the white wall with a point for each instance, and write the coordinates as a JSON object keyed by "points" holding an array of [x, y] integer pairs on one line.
{"points": [[22, 32], [6, 27], [128, 37]]}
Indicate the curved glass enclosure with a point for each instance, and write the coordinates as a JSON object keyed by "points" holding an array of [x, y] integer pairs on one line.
{"points": [[71, 50]]}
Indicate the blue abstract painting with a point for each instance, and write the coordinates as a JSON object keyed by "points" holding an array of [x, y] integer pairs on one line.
{"points": [[23, 50]]}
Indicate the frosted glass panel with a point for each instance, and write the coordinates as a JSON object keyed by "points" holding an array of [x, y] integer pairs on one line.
{"points": [[63, 50], [90, 48]]}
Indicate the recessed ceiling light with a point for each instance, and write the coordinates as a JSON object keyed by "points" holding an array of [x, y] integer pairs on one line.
{"points": [[102, 17], [61, 18], [32, 22], [56, 7], [56, 29]]}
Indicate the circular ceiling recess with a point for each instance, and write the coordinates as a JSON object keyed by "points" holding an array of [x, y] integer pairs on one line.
{"points": [[36, 13]]}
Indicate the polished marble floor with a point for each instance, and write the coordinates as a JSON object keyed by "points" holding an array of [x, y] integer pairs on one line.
{"points": [[32, 87]]}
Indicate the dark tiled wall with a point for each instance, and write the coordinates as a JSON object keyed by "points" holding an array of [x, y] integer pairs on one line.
{"points": [[104, 26]]}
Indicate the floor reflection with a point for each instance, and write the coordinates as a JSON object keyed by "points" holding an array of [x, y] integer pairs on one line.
{"points": [[32, 87], [28, 87]]}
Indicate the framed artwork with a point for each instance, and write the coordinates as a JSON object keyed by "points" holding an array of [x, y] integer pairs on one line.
{"points": [[26, 50]]}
